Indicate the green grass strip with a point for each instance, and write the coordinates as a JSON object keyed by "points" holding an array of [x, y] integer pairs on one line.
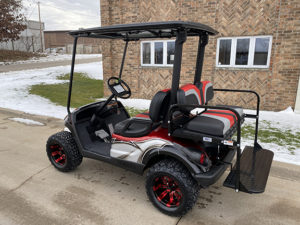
{"points": [[85, 90]]}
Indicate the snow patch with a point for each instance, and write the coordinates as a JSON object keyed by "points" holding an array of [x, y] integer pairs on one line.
{"points": [[14, 88], [137, 103], [53, 57], [26, 121], [288, 110], [284, 120], [92, 70]]}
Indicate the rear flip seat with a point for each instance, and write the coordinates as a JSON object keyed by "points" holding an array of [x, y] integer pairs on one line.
{"points": [[221, 123]]}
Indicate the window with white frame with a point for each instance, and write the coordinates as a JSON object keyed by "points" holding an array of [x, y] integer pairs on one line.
{"points": [[244, 52], [157, 53]]}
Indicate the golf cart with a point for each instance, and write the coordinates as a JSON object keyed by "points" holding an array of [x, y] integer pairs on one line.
{"points": [[183, 142]]}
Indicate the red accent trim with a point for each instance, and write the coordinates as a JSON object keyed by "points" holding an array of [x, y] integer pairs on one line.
{"points": [[229, 117], [166, 90], [60, 158], [161, 133], [171, 199], [121, 138], [202, 158], [56, 153], [163, 195], [223, 111], [142, 115]]}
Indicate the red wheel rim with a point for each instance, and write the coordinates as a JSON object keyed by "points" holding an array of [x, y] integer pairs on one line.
{"points": [[58, 155], [167, 191]]}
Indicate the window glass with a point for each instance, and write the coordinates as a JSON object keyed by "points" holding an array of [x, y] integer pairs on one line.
{"points": [[224, 52], [146, 53], [170, 52], [242, 51], [158, 52], [261, 51]]}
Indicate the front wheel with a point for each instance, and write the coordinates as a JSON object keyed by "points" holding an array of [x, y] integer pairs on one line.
{"points": [[171, 188], [63, 152]]}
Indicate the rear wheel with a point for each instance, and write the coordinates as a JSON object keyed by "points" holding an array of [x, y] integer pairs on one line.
{"points": [[63, 152], [171, 188]]}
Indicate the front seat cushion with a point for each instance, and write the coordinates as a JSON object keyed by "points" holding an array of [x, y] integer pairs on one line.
{"points": [[137, 127]]}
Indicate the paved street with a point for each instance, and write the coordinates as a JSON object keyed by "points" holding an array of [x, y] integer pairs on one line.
{"points": [[40, 65], [33, 192]]}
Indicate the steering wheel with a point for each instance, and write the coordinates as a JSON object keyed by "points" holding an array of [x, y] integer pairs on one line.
{"points": [[119, 88]]}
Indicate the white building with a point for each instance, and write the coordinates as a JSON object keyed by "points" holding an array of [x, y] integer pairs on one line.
{"points": [[30, 39]]}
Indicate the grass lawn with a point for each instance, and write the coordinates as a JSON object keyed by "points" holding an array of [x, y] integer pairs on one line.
{"points": [[85, 90], [133, 111], [268, 134]]}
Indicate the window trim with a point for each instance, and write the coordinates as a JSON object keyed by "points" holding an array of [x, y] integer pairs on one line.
{"points": [[250, 54], [152, 53]]}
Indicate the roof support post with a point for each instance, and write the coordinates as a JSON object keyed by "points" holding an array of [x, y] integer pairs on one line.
{"points": [[203, 40], [71, 74], [180, 39], [123, 59]]}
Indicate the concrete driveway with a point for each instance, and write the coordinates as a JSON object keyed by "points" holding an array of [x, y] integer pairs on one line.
{"points": [[33, 192]]}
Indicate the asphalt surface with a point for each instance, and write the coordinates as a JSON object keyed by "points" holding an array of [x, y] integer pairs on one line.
{"points": [[33, 192], [40, 65]]}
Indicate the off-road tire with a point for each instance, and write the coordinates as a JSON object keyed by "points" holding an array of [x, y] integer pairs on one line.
{"points": [[177, 171], [69, 146]]}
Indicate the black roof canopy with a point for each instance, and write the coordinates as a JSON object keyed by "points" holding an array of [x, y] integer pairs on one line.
{"points": [[138, 31]]}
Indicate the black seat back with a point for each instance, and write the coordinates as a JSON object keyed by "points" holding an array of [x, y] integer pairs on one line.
{"points": [[159, 106], [188, 94], [206, 91]]}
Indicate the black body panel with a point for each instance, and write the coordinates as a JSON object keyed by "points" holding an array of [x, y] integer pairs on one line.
{"points": [[134, 167], [184, 156]]}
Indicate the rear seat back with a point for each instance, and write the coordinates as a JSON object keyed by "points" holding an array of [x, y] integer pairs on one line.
{"points": [[189, 94], [199, 94], [206, 91]]}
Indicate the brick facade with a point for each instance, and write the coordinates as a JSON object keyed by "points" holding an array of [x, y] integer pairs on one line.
{"points": [[277, 85]]}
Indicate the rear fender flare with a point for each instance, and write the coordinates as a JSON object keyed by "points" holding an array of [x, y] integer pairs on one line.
{"points": [[173, 152]]}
